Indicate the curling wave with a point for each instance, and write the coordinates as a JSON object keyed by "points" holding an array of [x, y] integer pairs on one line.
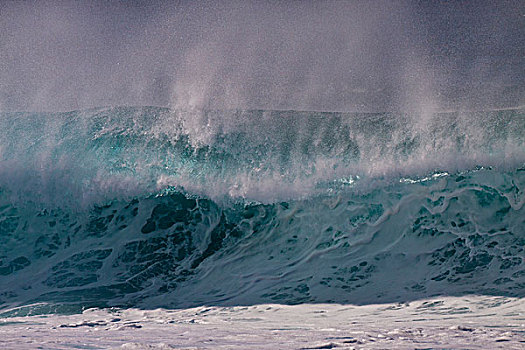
{"points": [[155, 207]]}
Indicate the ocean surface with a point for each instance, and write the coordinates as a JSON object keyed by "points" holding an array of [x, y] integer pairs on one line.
{"points": [[146, 207]]}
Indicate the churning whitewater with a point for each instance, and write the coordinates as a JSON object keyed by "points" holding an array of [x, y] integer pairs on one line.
{"points": [[152, 207]]}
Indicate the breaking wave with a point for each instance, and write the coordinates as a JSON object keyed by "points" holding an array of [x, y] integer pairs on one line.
{"points": [[155, 207]]}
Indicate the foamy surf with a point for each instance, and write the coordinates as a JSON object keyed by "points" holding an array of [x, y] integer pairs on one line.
{"points": [[473, 322]]}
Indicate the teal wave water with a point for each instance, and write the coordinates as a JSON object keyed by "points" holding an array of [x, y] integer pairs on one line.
{"points": [[151, 207]]}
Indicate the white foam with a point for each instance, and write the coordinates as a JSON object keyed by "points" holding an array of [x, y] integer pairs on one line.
{"points": [[474, 322]]}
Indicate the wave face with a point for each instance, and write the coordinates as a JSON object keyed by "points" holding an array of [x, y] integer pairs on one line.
{"points": [[154, 207]]}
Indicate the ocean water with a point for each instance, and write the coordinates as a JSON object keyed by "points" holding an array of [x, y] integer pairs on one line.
{"points": [[149, 207]]}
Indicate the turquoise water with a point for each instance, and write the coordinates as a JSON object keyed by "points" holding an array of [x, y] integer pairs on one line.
{"points": [[152, 207]]}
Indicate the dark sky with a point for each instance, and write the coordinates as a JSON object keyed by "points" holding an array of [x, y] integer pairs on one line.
{"points": [[361, 55]]}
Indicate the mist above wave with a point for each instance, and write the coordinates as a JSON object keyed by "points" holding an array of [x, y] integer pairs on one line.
{"points": [[101, 154], [333, 55]]}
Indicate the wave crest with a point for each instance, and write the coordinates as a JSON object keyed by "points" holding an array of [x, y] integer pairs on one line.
{"points": [[99, 155]]}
